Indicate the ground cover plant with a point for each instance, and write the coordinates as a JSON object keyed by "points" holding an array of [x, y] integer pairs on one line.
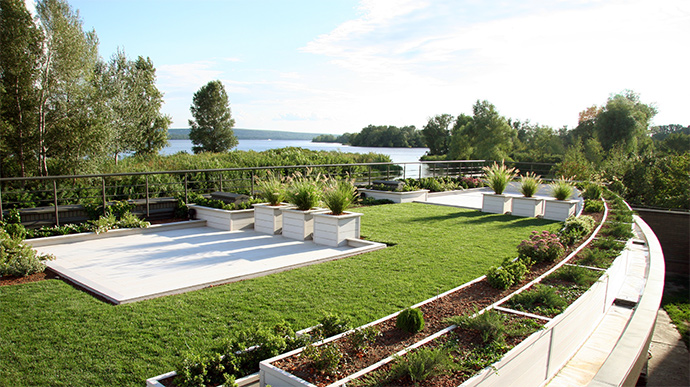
{"points": [[54, 334]]}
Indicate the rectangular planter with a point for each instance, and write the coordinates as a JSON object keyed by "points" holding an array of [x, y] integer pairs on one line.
{"points": [[334, 230], [496, 204], [223, 219], [397, 197], [269, 219], [559, 210], [298, 224], [527, 207]]}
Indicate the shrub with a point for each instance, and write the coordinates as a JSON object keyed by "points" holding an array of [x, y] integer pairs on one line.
{"points": [[490, 324], [271, 188], [410, 320], [541, 247], [517, 270], [541, 298], [562, 188], [612, 245], [304, 192], [362, 338], [324, 358], [339, 195], [593, 206], [375, 202], [421, 364], [578, 275], [617, 230], [499, 278], [129, 220], [576, 228], [470, 182], [529, 184], [19, 259], [497, 177], [592, 191], [332, 324]]}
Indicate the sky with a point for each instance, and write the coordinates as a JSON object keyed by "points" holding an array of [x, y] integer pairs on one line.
{"points": [[336, 66]]}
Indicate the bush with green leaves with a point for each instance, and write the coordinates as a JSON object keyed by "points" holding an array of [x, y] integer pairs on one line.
{"points": [[410, 320], [332, 324], [497, 177], [490, 325], [562, 188], [593, 206], [421, 364], [324, 358], [592, 191], [541, 299], [529, 184], [375, 202], [541, 247], [304, 191], [575, 228], [338, 195], [509, 273], [362, 338], [18, 259]]}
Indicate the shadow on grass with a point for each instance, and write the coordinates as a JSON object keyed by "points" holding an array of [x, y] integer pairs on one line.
{"points": [[478, 217]]}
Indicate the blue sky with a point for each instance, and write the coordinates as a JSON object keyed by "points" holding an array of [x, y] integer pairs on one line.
{"points": [[334, 66]]}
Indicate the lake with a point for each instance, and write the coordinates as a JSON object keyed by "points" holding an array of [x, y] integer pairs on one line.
{"points": [[398, 155]]}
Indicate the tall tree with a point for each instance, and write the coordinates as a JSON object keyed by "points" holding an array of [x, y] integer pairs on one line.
{"points": [[211, 128], [20, 55], [70, 56], [487, 135], [624, 121], [152, 127], [437, 134]]}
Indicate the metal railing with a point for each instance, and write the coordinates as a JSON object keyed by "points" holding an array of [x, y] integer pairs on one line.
{"points": [[56, 191]]}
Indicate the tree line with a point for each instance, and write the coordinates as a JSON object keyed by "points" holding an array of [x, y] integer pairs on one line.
{"points": [[379, 136], [62, 107]]}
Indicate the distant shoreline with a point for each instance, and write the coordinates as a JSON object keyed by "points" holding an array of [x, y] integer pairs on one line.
{"points": [[250, 134]]}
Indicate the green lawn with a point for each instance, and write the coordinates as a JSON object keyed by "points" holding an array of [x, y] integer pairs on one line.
{"points": [[54, 335]]}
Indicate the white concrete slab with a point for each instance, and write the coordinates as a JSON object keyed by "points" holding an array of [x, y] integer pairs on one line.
{"points": [[168, 261]]}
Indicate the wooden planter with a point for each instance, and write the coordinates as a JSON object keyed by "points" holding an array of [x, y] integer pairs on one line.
{"points": [[223, 219], [397, 197], [298, 224], [269, 219], [335, 230], [559, 210], [527, 207], [496, 204]]}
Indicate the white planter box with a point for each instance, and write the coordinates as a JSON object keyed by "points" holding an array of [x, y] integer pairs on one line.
{"points": [[397, 197], [334, 230], [269, 219], [247, 381], [527, 207], [496, 204], [298, 224], [559, 210], [223, 219]]}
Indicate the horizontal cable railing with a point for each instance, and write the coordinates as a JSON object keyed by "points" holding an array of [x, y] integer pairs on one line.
{"points": [[55, 191]]}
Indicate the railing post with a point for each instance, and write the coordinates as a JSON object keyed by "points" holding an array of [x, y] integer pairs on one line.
{"points": [[388, 172], [370, 175], [55, 202], [251, 182], [186, 198], [404, 168], [1, 211], [103, 191], [221, 181], [419, 176], [147, 196]]}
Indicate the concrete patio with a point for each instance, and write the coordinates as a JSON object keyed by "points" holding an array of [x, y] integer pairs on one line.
{"points": [[130, 265]]}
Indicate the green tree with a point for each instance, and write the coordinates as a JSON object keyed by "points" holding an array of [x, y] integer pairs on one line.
{"points": [[623, 121], [20, 55], [486, 135], [436, 134], [211, 129], [65, 86]]}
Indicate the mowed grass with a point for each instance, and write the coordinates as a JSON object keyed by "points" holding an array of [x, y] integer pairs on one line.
{"points": [[52, 334]]}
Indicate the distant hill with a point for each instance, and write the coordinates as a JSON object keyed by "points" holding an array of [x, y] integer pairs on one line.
{"points": [[250, 134]]}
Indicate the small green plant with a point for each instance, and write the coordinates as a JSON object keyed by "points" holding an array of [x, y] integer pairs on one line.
{"points": [[410, 320], [490, 324], [578, 275], [612, 245], [575, 228], [540, 299], [529, 184], [421, 364], [375, 202], [497, 177], [362, 338], [271, 188], [119, 208], [18, 259], [617, 230], [509, 273], [332, 324], [594, 257], [304, 192], [593, 206], [592, 191], [541, 247], [562, 188], [338, 195], [129, 220], [324, 358]]}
